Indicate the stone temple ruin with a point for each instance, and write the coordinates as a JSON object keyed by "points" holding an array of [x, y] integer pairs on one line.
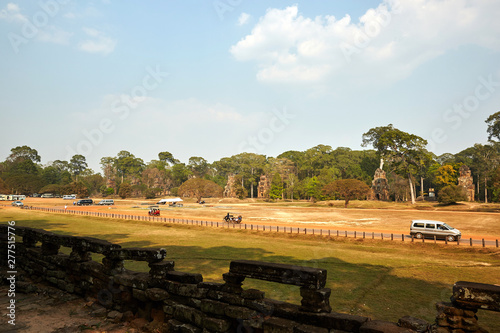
{"points": [[465, 180], [380, 185], [264, 187], [174, 301], [230, 189]]}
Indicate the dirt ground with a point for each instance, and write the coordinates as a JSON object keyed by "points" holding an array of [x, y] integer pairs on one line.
{"points": [[361, 216], [41, 308]]}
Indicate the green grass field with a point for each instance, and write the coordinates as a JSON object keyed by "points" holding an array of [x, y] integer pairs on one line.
{"points": [[380, 279]]}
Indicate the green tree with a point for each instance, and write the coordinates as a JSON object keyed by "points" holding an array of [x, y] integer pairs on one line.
{"points": [[452, 194], [24, 153], [198, 165], [276, 190], [128, 165], [77, 164], [493, 130], [199, 188], [167, 157], [125, 190], [403, 150], [347, 189]]}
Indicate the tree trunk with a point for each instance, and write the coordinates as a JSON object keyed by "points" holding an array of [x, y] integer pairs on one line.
{"points": [[251, 190], [485, 190], [346, 202], [412, 194], [422, 186]]}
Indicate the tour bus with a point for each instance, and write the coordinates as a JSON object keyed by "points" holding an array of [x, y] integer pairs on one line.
{"points": [[47, 195], [15, 197], [3, 197]]}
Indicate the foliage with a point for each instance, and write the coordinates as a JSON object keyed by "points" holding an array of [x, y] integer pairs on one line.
{"points": [[276, 191], [404, 151], [125, 190], [347, 189], [493, 122], [22, 153], [452, 194], [150, 193], [446, 175], [199, 188], [77, 164], [79, 189]]}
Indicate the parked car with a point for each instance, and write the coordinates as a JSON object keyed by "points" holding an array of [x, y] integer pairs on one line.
{"points": [[69, 197], [85, 202], [428, 228], [107, 202], [17, 203]]}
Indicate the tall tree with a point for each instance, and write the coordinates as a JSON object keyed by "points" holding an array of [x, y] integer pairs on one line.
{"points": [[403, 150], [199, 166], [77, 164], [493, 122], [24, 153], [276, 191]]}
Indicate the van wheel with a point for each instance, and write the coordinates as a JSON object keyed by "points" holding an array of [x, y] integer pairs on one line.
{"points": [[418, 235], [450, 238]]}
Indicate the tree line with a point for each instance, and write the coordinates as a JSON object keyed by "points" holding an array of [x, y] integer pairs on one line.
{"points": [[411, 170]]}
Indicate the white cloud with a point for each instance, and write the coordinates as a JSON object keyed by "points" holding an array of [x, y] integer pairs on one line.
{"points": [[97, 43], [54, 35], [400, 36], [12, 13], [243, 19]]}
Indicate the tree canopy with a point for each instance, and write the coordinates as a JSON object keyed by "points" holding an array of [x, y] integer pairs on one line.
{"points": [[347, 189]]}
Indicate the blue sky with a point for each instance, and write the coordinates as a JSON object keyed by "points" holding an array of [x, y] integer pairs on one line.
{"points": [[217, 78]]}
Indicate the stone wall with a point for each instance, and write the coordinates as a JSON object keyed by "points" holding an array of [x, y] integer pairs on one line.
{"points": [[182, 302]]}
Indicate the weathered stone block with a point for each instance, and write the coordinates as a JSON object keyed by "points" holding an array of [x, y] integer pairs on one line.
{"points": [[238, 312], [187, 290], [225, 297], [156, 294], [416, 324], [278, 325], [139, 254], [216, 325], [314, 278], [132, 279], [476, 296], [139, 295], [213, 307], [310, 329], [188, 314], [184, 277], [252, 294], [315, 300]]}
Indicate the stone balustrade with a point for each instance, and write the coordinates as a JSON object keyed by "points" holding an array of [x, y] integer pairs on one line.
{"points": [[188, 304]]}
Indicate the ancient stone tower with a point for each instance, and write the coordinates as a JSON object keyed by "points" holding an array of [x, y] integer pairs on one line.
{"points": [[264, 187], [380, 186], [230, 189], [465, 180]]}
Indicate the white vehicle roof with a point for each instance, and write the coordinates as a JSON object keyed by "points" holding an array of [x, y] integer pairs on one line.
{"points": [[428, 221], [171, 200]]}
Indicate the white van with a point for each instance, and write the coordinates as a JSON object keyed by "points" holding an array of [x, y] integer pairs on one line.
{"points": [[428, 228], [106, 202], [69, 197]]}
